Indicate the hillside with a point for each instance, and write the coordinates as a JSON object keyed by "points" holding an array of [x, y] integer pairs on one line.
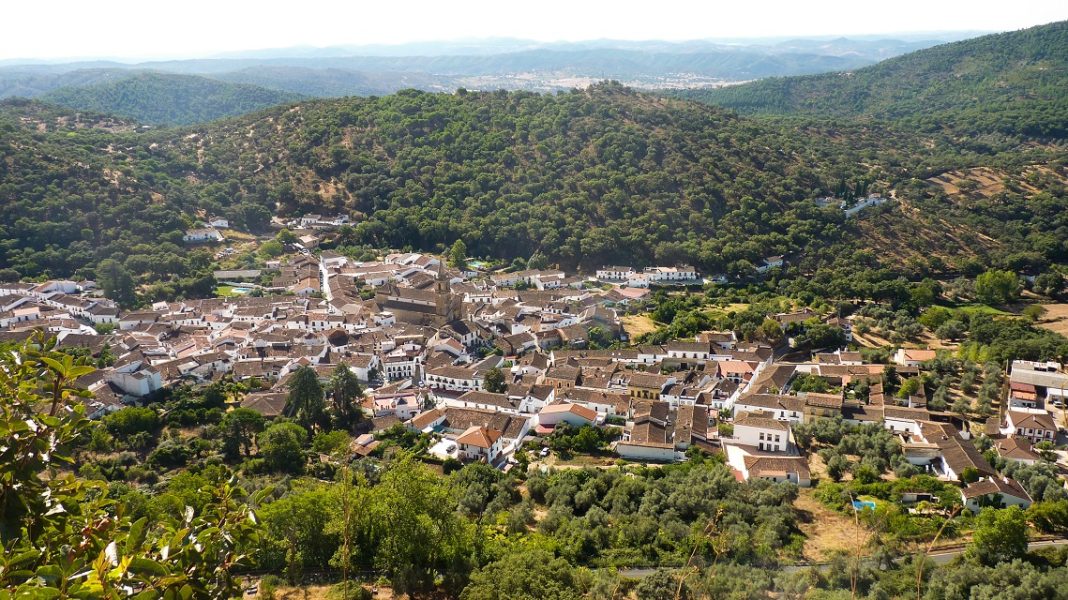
{"points": [[604, 175], [1010, 83], [168, 99], [592, 176]]}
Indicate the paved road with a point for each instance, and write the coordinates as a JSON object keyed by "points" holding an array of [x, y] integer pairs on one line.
{"points": [[939, 557]]}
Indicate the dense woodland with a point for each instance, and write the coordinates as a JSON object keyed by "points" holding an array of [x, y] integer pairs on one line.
{"points": [[1010, 84], [169, 99], [512, 175]]}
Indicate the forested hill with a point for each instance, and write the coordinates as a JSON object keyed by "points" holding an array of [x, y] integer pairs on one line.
{"points": [[587, 177], [1011, 83], [169, 99], [584, 178]]}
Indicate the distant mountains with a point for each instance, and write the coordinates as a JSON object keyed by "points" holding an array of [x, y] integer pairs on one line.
{"points": [[168, 99], [138, 90], [1009, 83]]}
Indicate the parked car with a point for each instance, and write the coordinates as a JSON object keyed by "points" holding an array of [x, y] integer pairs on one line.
{"points": [[544, 452]]}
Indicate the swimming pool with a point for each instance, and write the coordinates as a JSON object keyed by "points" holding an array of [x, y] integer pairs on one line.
{"points": [[862, 504]]}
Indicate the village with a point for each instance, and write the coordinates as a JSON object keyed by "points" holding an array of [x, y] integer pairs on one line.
{"points": [[487, 364]]}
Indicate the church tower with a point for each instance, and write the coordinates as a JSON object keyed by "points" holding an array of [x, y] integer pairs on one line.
{"points": [[445, 304]]}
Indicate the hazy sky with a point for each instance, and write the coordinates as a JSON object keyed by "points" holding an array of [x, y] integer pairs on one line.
{"points": [[192, 28]]}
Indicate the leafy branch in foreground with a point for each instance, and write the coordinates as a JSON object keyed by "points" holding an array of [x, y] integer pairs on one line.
{"points": [[62, 536]]}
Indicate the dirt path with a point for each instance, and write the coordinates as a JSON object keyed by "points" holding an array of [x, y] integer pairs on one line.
{"points": [[826, 530]]}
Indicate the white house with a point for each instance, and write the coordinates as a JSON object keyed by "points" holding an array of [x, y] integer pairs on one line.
{"points": [[566, 412], [680, 274], [205, 234], [615, 273], [761, 431], [996, 492], [771, 262], [1035, 425], [782, 408], [912, 357], [480, 443]]}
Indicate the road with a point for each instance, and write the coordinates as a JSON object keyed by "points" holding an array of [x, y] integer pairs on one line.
{"points": [[939, 557], [324, 279]]}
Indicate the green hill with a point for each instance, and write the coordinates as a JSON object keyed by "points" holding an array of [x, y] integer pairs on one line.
{"points": [[591, 177], [168, 99], [1011, 83]]}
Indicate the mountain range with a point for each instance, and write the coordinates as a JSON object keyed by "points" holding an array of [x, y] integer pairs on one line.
{"points": [[592, 176], [477, 65]]}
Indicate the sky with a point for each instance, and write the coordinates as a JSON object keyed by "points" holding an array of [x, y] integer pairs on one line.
{"points": [[152, 29]]}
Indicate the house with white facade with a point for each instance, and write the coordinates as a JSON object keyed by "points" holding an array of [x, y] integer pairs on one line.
{"points": [[998, 492], [203, 235]]}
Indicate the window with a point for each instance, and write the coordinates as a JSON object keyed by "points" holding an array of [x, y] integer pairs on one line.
{"points": [[761, 436]]}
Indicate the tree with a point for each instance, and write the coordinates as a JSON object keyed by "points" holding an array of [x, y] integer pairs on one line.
{"points": [[61, 534], [239, 429], [951, 330], [422, 537], [530, 575], [271, 248], [345, 393], [1033, 312], [1050, 517], [962, 406], [132, 420], [969, 475], [997, 287], [1049, 284], [282, 447], [458, 255], [1000, 536], [116, 282], [494, 381], [305, 402], [909, 387], [286, 236]]}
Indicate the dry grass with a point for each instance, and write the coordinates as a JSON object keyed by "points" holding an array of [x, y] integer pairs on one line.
{"points": [[826, 530], [980, 181], [1055, 319], [636, 325], [323, 592]]}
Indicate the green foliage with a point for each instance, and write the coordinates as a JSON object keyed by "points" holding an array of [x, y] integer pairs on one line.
{"points": [[1049, 517], [169, 99], [997, 287], [345, 394], [586, 439], [329, 442], [132, 420], [1000, 536], [282, 447], [305, 401], [64, 538], [532, 575], [458, 255], [116, 282], [494, 382], [809, 382], [1006, 83], [239, 429]]}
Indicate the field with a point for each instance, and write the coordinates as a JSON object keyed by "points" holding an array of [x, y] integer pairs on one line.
{"points": [[226, 291], [1055, 319], [636, 325], [827, 530]]}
